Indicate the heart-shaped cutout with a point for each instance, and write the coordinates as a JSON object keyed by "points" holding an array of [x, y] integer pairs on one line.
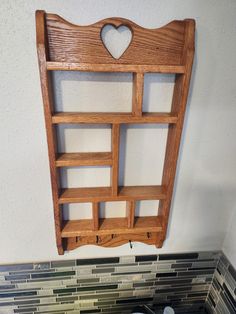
{"points": [[116, 39]]}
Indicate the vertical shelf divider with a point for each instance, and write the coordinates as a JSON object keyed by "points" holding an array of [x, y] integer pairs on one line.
{"points": [[95, 209], [115, 145], [137, 97], [130, 213]]}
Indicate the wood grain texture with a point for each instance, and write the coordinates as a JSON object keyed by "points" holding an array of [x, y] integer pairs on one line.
{"points": [[111, 118], [174, 134], [114, 240], [137, 97], [104, 194], [95, 219], [130, 213], [115, 148], [83, 44], [84, 159], [88, 67], [45, 78], [83, 227]]}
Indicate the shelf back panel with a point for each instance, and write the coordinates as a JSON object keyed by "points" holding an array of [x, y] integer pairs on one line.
{"points": [[83, 44]]}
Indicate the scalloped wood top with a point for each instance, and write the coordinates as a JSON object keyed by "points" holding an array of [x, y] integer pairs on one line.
{"points": [[83, 44]]}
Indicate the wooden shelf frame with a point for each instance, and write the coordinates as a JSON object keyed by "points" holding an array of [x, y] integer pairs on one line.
{"points": [[108, 226], [84, 159], [109, 194], [63, 46], [113, 118], [84, 67]]}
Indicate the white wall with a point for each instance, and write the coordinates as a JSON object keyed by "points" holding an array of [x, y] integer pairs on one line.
{"points": [[229, 245], [206, 181]]}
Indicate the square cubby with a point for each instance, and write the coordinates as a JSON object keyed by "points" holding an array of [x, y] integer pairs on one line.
{"points": [[112, 209], [146, 208], [77, 211], [158, 92]]}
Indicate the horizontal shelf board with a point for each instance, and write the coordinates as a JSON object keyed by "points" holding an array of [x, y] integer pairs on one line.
{"points": [[108, 117], [102, 194], [84, 159], [88, 67], [84, 227]]}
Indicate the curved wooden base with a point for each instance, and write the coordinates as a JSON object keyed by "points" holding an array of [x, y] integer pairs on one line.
{"points": [[114, 240]]}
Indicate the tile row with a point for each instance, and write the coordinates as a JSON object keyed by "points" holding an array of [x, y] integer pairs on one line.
{"points": [[108, 285]]}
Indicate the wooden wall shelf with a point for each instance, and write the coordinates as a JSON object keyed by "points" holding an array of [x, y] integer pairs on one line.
{"points": [[63, 46]]}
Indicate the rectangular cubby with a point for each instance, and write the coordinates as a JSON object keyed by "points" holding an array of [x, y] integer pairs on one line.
{"points": [[136, 166], [76, 138], [92, 92], [77, 211], [84, 176], [168, 50]]}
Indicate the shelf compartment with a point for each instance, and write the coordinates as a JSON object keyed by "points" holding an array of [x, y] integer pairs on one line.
{"points": [[108, 226], [86, 67], [84, 159], [103, 194], [110, 117]]}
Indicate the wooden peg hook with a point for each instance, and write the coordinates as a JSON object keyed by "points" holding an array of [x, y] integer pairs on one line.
{"points": [[130, 244]]}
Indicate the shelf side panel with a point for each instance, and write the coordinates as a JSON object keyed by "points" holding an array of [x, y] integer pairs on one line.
{"points": [[179, 102], [50, 130]]}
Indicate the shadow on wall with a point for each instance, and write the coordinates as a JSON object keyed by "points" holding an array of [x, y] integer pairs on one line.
{"points": [[208, 207], [213, 202], [183, 138]]}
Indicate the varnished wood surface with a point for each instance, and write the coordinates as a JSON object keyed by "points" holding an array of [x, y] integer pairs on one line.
{"points": [[73, 228], [83, 44], [87, 67], [45, 78], [115, 148], [84, 159], [137, 97], [104, 194], [114, 240], [62, 45], [179, 103], [111, 118], [130, 213], [95, 220]]}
